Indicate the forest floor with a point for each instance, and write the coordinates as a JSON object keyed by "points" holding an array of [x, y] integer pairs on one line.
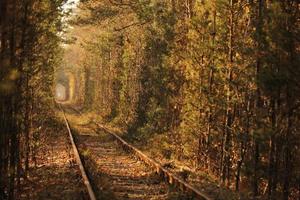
{"points": [[54, 175]]}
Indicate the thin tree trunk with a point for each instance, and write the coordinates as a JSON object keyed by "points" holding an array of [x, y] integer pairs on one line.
{"points": [[272, 150], [27, 125], [258, 98], [243, 149], [287, 151], [229, 115], [211, 82]]}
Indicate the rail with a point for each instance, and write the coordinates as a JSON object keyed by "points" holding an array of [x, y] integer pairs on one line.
{"points": [[170, 177], [78, 159]]}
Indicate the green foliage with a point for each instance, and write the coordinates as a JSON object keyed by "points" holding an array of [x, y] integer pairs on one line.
{"points": [[216, 81]]}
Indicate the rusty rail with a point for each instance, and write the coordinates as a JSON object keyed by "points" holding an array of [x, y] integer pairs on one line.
{"points": [[170, 177], [78, 159]]}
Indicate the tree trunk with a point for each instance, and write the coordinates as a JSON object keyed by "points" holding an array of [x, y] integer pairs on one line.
{"points": [[287, 151], [228, 115]]}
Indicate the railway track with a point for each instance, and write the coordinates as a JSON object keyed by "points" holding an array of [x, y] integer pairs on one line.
{"points": [[78, 159], [117, 170]]}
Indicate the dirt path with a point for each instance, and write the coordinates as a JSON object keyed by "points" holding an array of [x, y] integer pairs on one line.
{"points": [[115, 173], [56, 176]]}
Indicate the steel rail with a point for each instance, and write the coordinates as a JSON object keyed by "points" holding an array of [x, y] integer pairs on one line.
{"points": [[78, 159]]}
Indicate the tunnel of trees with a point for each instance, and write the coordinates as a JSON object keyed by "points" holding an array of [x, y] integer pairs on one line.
{"points": [[212, 85], [68, 83], [62, 87]]}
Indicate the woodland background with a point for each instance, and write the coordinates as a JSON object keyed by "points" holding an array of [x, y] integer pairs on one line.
{"points": [[211, 85]]}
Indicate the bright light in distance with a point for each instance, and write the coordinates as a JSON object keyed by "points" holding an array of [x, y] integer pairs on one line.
{"points": [[60, 92]]}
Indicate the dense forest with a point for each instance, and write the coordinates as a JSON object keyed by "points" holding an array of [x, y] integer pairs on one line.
{"points": [[29, 51], [212, 85]]}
